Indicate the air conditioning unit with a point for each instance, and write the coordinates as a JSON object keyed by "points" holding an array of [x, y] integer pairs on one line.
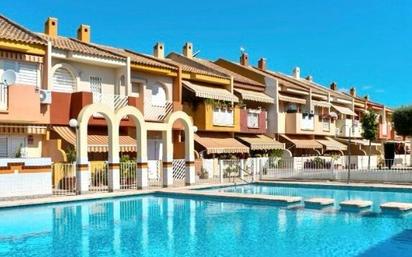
{"points": [[45, 96]]}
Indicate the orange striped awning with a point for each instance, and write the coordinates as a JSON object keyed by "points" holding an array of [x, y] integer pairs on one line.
{"points": [[302, 142], [261, 142], [20, 56], [96, 143], [218, 145], [23, 129]]}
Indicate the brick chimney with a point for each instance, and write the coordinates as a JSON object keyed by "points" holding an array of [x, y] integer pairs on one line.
{"points": [[188, 50], [244, 59], [352, 91], [83, 33], [50, 27], [262, 64], [334, 86], [159, 50], [296, 73]]}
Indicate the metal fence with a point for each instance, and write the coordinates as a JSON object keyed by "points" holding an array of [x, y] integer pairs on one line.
{"points": [[328, 169], [98, 176], [155, 173], [128, 175], [64, 178], [179, 171]]}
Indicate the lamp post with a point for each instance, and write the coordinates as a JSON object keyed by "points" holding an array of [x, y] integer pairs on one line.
{"points": [[73, 123]]}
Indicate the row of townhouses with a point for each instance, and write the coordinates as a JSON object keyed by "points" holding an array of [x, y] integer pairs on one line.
{"points": [[237, 109]]}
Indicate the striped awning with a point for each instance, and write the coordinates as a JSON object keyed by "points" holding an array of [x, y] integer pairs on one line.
{"points": [[20, 56], [219, 145], [261, 142], [210, 92], [302, 142], [363, 142], [291, 99], [344, 110], [254, 96], [321, 103], [332, 145], [96, 143], [23, 129]]}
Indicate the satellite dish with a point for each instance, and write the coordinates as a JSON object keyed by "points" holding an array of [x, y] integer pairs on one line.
{"points": [[8, 77]]}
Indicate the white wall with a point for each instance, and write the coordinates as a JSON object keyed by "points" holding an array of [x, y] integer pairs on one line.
{"points": [[151, 80], [25, 184]]}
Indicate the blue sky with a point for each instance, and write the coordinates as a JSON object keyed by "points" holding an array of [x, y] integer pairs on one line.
{"points": [[366, 44]]}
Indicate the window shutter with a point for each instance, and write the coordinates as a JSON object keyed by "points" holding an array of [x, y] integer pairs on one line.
{"points": [[27, 74], [63, 81], [3, 147]]}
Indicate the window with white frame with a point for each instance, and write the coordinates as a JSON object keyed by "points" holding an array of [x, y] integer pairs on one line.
{"points": [[27, 73], [12, 146], [158, 95], [253, 118], [223, 117], [63, 81]]}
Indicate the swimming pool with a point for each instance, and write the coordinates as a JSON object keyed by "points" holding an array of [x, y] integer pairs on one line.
{"points": [[339, 193], [161, 225]]}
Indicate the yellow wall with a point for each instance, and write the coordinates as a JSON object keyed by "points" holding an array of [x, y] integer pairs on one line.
{"points": [[22, 47], [203, 118]]}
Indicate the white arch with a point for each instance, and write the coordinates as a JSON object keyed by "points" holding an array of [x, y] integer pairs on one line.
{"points": [[141, 130], [70, 69], [189, 132], [113, 134]]}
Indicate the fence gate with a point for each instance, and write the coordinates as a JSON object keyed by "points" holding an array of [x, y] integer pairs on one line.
{"points": [[128, 175], [64, 178], [98, 176], [179, 170], [155, 173]]}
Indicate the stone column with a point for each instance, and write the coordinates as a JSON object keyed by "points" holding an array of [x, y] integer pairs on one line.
{"points": [[167, 173], [113, 176], [190, 176], [82, 178]]}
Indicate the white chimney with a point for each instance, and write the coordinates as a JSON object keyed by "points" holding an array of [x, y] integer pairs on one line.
{"points": [[296, 73]]}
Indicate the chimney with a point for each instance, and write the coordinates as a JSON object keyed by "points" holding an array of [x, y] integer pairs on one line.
{"points": [[244, 59], [309, 78], [83, 33], [159, 50], [352, 91], [296, 73], [334, 86], [50, 27], [188, 50], [262, 64], [366, 97]]}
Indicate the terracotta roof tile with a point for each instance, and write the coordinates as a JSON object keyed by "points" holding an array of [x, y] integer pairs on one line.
{"points": [[71, 44], [192, 65], [12, 31]]}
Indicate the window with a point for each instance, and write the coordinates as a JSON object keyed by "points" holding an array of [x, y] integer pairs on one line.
{"points": [[63, 81], [307, 122], [10, 146], [96, 84], [27, 73], [136, 87], [253, 119], [158, 95], [223, 117]]}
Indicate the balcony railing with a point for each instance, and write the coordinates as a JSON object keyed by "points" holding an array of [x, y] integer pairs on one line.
{"points": [[113, 101], [3, 97], [157, 112]]}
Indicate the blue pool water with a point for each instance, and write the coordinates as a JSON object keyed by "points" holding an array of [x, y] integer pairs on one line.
{"points": [[339, 193], [160, 225]]}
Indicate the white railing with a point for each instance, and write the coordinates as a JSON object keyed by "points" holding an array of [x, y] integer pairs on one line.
{"points": [[128, 175], [98, 176], [113, 101], [336, 170], [3, 97], [157, 112], [64, 178], [179, 170]]}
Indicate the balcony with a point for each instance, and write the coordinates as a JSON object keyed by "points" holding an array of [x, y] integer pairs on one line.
{"points": [[348, 128], [298, 123], [157, 112], [115, 102]]}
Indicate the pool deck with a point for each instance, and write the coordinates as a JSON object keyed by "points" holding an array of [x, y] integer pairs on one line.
{"points": [[189, 191]]}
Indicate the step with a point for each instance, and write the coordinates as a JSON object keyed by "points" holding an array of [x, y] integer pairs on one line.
{"points": [[319, 202], [396, 207], [355, 204]]}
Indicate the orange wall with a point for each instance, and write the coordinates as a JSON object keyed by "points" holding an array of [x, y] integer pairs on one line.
{"points": [[24, 106]]}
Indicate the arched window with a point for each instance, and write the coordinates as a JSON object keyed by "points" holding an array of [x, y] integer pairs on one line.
{"points": [[63, 81], [158, 94]]}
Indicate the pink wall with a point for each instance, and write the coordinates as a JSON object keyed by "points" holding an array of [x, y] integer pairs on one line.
{"points": [[24, 106], [243, 122]]}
